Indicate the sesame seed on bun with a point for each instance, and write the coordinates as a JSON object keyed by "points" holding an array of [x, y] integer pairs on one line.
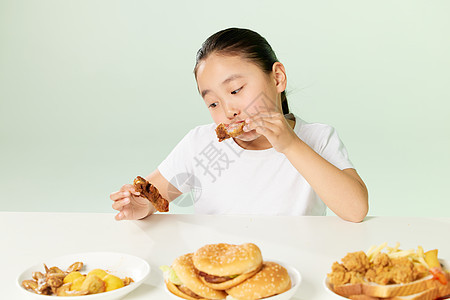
{"points": [[272, 279], [223, 266]]}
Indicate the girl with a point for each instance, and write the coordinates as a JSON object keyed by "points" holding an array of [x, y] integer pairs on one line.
{"points": [[280, 165]]}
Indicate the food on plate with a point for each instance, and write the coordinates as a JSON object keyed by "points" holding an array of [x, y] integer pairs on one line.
{"points": [[77, 283], [392, 274], [188, 284], [112, 282], [219, 271], [272, 279], [152, 194], [93, 284], [226, 131], [222, 266], [99, 272], [72, 276], [72, 282]]}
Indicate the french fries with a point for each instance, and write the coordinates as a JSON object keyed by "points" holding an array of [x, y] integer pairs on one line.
{"points": [[415, 255]]}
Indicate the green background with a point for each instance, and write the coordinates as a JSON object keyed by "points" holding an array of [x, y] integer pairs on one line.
{"points": [[93, 93]]}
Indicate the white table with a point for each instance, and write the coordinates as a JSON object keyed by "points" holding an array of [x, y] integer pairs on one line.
{"points": [[310, 244]]}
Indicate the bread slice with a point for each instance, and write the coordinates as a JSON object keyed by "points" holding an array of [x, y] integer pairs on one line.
{"points": [[363, 297], [401, 289], [429, 294], [426, 288], [347, 290]]}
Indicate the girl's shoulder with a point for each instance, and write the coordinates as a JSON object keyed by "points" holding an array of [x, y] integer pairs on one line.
{"points": [[303, 128], [203, 130], [204, 133], [316, 135]]}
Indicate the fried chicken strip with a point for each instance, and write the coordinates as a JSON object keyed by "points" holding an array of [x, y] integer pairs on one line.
{"points": [[226, 131], [150, 192]]}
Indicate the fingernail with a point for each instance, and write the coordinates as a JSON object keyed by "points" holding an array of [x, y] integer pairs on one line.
{"points": [[126, 193], [126, 201], [246, 128]]}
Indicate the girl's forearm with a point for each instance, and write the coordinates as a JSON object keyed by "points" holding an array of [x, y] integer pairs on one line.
{"points": [[342, 191]]}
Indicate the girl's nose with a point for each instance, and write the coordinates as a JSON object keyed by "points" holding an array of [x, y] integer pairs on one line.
{"points": [[231, 111]]}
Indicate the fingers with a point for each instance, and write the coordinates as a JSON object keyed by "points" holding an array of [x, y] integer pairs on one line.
{"points": [[125, 191], [264, 124], [124, 215], [266, 117], [129, 188], [119, 204], [119, 216]]}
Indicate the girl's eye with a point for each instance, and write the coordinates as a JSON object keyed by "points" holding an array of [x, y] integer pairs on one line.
{"points": [[212, 105], [236, 91]]}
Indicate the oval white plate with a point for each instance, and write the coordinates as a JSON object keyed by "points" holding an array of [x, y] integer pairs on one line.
{"points": [[119, 264], [296, 279], [327, 284]]}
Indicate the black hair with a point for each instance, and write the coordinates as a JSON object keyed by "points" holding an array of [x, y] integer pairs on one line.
{"points": [[245, 42]]}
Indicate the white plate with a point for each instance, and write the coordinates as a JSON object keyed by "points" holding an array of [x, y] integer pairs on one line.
{"points": [[328, 286], [119, 264], [296, 279]]}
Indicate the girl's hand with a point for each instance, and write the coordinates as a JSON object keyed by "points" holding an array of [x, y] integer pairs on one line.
{"points": [[130, 205], [274, 126]]}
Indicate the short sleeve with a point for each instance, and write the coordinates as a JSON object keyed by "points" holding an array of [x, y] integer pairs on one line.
{"points": [[333, 149], [177, 166]]}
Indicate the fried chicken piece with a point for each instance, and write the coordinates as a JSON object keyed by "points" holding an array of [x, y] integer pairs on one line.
{"points": [[420, 271], [356, 261], [385, 276], [391, 271], [226, 131], [381, 260], [339, 274], [402, 270], [356, 277], [150, 192]]}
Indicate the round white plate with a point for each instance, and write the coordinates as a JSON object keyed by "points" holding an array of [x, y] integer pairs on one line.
{"points": [[119, 264], [296, 279]]}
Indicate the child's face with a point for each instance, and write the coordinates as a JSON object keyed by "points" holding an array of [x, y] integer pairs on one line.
{"points": [[234, 88]]}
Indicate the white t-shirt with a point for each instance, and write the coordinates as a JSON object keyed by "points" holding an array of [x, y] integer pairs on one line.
{"points": [[227, 179]]}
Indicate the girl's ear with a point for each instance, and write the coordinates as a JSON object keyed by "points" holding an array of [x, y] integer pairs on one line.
{"points": [[279, 75]]}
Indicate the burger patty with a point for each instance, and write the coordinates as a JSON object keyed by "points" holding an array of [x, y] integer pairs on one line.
{"points": [[214, 279], [188, 292]]}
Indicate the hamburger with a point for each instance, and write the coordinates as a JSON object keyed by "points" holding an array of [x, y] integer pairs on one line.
{"points": [[182, 280], [272, 279], [223, 266]]}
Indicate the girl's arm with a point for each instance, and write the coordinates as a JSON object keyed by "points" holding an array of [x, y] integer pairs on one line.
{"points": [[343, 191]]}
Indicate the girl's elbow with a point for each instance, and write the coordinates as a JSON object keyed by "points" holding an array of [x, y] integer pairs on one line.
{"points": [[360, 211]]}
